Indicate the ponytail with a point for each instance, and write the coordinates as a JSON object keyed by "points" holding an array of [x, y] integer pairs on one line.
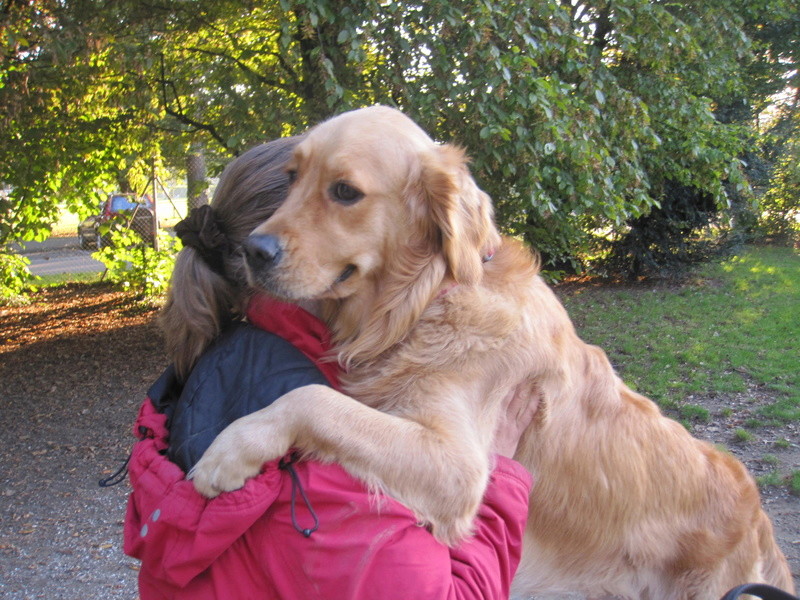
{"points": [[209, 287], [199, 304]]}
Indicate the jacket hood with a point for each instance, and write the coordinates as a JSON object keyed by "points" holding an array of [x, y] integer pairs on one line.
{"points": [[298, 327], [173, 530]]}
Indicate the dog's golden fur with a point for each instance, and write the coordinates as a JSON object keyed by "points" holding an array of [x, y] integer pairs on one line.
{"points": [[434, 335]]}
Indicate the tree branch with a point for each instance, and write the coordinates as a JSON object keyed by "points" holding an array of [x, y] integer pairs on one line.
{"points": [[244, 67], [603, 27], [180, 115]]}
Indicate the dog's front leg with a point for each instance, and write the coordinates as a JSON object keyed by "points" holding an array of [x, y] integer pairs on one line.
{"points": [[436, 467]]}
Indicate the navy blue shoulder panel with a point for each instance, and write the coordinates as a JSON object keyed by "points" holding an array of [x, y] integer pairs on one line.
{"points": [[245, 370]]}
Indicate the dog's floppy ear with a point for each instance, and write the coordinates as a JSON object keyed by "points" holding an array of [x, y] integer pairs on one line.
{"points": [[461, 212]]}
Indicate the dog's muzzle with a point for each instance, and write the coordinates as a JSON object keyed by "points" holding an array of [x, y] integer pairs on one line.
{"points": [[262, 252]]}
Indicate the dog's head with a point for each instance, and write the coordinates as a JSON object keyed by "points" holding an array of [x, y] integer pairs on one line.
{"points": [[374, 202]]}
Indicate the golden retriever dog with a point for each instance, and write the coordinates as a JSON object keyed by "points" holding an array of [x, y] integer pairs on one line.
{"points": [[436, 317]]}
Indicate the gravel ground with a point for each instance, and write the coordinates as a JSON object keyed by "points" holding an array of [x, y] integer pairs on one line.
{"points": [[74, 366]]}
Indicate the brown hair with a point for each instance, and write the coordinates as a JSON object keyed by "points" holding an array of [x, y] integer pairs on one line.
{"points": [[200, 301]]}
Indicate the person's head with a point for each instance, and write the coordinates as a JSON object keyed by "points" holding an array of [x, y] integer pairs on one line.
{"points": [[208, 285]]}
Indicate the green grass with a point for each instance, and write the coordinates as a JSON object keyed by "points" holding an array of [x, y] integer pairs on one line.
{"points": [[62, 278], [775, 479], [732, 325], [794, 483], [772, 479], [770, 459], [693, 412]]}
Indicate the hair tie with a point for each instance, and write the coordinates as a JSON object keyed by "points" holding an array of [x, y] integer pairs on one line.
{"points": [[201, 230]]}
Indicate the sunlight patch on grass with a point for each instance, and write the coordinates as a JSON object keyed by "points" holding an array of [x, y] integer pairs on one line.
{"points": [[61, 278], [733, 325]]}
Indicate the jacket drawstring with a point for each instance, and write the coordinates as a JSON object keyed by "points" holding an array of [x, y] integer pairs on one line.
{"points": [[286, 465], [117, 477], [121, 473]]}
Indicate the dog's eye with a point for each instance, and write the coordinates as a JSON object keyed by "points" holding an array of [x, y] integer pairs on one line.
{"points": [[292, 173], [345, 193]]}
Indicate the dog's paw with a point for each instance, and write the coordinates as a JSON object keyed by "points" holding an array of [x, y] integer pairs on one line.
{"points": [[451, 518], [236, 455], [216, 473], [451, 532]]}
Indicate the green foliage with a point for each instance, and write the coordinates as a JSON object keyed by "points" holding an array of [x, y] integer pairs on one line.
{"points": [[555, 138], [137, 266], [776, 72], [780, 206], [73, 120], [14, 277], [668, 238], [577, 115]]}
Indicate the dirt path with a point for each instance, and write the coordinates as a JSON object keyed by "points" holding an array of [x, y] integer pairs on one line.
{"points": [[74, 366]]}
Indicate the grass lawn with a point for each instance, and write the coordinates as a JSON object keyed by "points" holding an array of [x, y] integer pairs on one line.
{"points": [[730, 327], [62, 278]]}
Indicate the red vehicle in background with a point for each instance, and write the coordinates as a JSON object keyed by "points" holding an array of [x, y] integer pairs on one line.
{"points": [[127, 211]]}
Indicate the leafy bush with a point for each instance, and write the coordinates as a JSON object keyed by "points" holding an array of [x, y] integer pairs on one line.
{"points": [[14, 277], [137, 266], [668, 238], [780, 206]]}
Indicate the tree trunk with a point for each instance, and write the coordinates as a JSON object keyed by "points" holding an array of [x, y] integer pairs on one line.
{"points": [[123, 183], [196, 184]]}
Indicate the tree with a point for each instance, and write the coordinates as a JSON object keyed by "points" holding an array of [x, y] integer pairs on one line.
{"points": [[579, 116], [678, 231], [779, 76], [65, 125]]}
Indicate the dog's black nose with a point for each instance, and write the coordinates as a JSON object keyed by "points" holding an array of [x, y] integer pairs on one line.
{"points": [[262, 251]]}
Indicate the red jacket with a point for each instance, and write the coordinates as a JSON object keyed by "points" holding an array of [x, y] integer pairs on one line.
{"points": [[244, 544]]}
